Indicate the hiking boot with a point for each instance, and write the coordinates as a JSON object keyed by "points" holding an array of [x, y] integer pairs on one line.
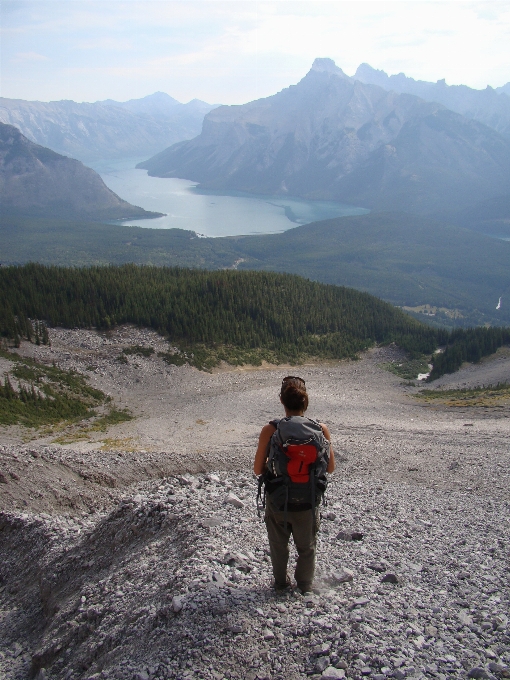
{"points": [[305, 588], [282, 587]]}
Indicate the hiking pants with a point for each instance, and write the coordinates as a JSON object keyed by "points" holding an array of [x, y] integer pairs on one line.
{"points": [[302, 525]]}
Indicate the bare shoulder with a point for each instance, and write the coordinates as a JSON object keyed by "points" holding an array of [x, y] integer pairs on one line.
{"points": [[326, 431]]}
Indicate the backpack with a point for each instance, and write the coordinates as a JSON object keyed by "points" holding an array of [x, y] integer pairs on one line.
{"points": [[298, 457]]}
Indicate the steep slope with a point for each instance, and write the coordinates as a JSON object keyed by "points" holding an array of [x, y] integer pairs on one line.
{"points": [[37, 181], [106, 129], [331, 137], [489, 106]]}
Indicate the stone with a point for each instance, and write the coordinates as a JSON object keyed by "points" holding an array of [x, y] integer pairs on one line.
{"points": [[478, 673], [399, 675], [232, 499], [465, 618], [343, 575], [213, 521], [360, 601], [268, 634], [322, 649], [389, 578], [3, 479], [344, 536], [177, 603], [321, 664], [376, 566], [496, 668], [332, 673], [141, 675]]}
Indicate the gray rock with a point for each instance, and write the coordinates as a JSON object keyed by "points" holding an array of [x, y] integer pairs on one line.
{"points": [[343, 575], [177, 603], [321, 664], [377, 566], [332, 673], [232, 499], [478, 673], [389, 578]]}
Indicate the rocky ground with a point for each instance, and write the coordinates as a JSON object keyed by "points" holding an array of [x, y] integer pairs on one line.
{"points": [[137, 553]]}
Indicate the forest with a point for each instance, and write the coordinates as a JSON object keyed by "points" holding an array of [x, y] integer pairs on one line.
{"points": [[237, 316]]}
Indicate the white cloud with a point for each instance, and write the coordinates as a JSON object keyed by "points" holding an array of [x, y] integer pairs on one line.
{"points": [[28, 56]]}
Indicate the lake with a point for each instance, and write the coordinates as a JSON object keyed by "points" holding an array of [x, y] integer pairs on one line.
{"points": [[209, 214]]}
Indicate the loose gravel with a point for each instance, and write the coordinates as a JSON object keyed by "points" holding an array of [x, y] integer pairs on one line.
{"points": [[151, 563]]}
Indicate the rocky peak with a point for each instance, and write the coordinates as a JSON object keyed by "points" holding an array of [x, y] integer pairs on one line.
{"points": [[325, 65]]}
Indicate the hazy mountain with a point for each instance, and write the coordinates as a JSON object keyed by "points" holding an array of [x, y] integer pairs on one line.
{"points": [[489, 106], [106, 129], [333, 137], [504, 88], [37, 181]]}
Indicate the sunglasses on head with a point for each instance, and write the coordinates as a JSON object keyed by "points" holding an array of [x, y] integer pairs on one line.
{"points": [[292, 377]]}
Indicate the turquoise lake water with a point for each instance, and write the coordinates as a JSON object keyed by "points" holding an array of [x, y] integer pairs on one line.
{"points": [[208, 214]]}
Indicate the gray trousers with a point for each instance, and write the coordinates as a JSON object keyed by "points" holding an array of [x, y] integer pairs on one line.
{"points": [[302, 526]]}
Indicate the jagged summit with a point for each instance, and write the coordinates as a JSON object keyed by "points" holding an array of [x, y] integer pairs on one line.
{"points": [[326, 65]]}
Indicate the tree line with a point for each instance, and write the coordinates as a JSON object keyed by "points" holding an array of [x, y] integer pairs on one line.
{"points": [[292, 317]]}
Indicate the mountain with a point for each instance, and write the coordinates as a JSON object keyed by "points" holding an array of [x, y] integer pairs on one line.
{"points": [[37, 181], [504, 88], [489, 106], [332, 137], [108, 129]]}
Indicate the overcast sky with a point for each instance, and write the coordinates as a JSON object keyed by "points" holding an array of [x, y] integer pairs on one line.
{"points": [[235, 51]]}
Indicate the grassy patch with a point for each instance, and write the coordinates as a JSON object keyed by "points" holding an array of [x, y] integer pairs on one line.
{"points": [[206, 358], [119, 444], [484, 397], [408, 369], [35, 395]]}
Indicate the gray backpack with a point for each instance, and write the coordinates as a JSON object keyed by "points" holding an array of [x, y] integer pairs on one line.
{"points": [[298, 457]]}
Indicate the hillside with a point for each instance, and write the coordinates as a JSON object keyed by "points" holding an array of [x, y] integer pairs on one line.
{"points": [[408, 260], [39, 182], [489, 106], [122, 546], [108, 129], [332, 137], [405, 260], [241, 317]]}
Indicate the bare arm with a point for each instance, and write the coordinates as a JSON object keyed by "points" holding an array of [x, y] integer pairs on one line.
{"points": [[331, 464], [261, 455]]}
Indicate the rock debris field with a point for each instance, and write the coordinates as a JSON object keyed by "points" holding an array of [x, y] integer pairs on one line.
{"points": [[138, 554]]}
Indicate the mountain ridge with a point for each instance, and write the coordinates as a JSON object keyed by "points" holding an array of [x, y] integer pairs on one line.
{"points": [[35, 180], [108, 129], [335, 138], [490, 106]]}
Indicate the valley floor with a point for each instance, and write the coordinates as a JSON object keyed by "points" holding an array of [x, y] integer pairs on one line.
{"points": [[122, 558]]}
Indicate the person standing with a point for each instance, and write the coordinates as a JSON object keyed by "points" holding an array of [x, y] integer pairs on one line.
{"points": [[283, 515]]}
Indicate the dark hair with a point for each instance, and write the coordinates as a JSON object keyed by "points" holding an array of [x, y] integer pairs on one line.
{"points": [[293, 394]]}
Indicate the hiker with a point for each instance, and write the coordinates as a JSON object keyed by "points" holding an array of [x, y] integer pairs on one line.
{"points": [[293, 455]]}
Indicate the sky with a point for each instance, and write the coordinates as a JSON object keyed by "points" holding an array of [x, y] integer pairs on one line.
{"points": [[234, 51]]}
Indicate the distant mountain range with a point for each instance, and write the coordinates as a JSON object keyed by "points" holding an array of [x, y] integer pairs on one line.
{"points": [[334, 137], [38, 182], [489, 106], [108, 129]]}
